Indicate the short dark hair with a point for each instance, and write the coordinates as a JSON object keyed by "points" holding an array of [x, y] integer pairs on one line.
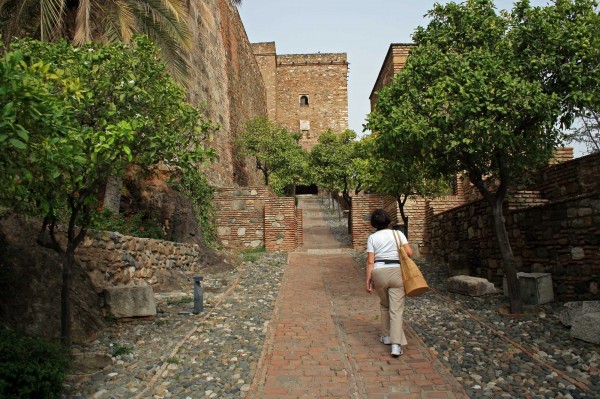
{"points": [[380, 219]]}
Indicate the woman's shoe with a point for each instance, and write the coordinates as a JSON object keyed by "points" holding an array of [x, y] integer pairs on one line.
{"points": [[385, 340], [397, 350]]}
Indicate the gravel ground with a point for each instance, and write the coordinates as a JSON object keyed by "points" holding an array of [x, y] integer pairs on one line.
{"points": [[181, 355], [491, 353]]}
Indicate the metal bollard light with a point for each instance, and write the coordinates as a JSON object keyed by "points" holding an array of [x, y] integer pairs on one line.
{"points": [[198, 296]]}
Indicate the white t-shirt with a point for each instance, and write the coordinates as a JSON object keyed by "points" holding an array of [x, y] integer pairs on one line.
{"points": [[382, 243]]}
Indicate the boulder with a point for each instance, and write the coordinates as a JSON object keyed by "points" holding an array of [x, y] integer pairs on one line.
{"points": [[587, 328], [469, 285], [574, 310], [130, 301]]}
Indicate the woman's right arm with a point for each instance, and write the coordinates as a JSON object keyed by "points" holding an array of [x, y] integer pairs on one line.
{"points": [[408, 249], [369, 272]]}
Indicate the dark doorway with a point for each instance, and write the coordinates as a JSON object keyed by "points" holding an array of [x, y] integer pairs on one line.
{"points": [[312, 189]]}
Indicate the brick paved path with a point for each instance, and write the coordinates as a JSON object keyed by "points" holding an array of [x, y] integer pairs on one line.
{"points": [[323, 341]]}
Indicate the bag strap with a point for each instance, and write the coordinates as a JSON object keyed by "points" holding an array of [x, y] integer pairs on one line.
{"points": [[401, 250]]}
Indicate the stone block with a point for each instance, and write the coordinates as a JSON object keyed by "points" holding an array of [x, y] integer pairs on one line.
{"points": [[574, 310], [469, 285], [587, 328], [536, 288], [458, 265], [130, 301]]}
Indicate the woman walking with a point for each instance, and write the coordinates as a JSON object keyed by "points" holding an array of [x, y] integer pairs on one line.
{"points": [[383, 275]]}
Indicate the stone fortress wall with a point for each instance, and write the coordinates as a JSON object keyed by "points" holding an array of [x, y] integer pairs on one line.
{"points": [[306, 93], [226, 80]]}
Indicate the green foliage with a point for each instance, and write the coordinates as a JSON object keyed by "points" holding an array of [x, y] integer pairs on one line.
{"points": [[120, 350], [331, 161], [194, 186], [483, 92], [184, 300], [135, 225], [116, 105], [31, 368], [253, 254], [487, 93], [397, 176], [275, 149], [95, 109]]}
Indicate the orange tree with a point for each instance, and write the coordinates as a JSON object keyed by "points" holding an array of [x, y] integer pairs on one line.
{"points": [[95, 109], [487, 93]]}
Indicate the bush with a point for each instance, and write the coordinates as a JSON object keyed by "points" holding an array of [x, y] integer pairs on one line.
{"points": [[31, 367], [135, 225]]}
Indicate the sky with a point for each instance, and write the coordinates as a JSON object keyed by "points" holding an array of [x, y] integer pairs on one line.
{"points": [[364, 29]]}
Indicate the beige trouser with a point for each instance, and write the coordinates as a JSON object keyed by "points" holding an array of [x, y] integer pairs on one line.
{"points": [[388, 283]]}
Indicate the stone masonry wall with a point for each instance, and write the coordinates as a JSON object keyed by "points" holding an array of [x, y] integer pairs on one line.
{"points": [[252, 217], [112, 259], [280, 224], [362, 208], [419, 211], [240, 216], [225, 77], [555, 227], [323, 78]]}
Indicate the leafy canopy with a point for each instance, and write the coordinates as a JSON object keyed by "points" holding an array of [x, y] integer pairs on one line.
{"points": [[275, 149]]}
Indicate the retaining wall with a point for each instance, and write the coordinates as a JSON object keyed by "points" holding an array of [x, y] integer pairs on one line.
{"points": [[253, 217]]}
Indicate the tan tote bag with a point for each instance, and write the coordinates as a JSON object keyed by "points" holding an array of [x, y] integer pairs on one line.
{"points": [[414, 282]]}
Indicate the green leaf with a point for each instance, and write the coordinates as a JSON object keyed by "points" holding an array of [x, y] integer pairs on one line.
{"points": [[17, 144]]}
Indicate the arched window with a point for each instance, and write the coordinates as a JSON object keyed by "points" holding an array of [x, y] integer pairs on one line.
{"points": [[304, 101]]}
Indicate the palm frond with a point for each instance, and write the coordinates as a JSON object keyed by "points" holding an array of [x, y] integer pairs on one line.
{"points": [[52, 14], [83, 32], [173, 54], [155, 16], [176, 7], [124, 19]]}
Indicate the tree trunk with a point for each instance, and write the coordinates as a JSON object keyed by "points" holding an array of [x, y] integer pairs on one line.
{"points": [[350, 221], [112, 193], [508, 259], [496, 201], [65, 302]]}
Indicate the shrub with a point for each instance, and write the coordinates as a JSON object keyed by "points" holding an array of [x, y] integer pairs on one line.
{"points": [[137, 224], [31, 367]]}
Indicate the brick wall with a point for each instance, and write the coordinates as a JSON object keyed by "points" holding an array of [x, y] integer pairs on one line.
{"points": [[240, 216], [419, 210], [280, 224], [575, 177], [393, 62], [253, 217], [554, 228], [323, 78], [362, 208], [266, 57]]}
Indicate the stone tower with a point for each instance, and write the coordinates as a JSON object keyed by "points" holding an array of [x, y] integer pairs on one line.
{"points": [[306, 93]]}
